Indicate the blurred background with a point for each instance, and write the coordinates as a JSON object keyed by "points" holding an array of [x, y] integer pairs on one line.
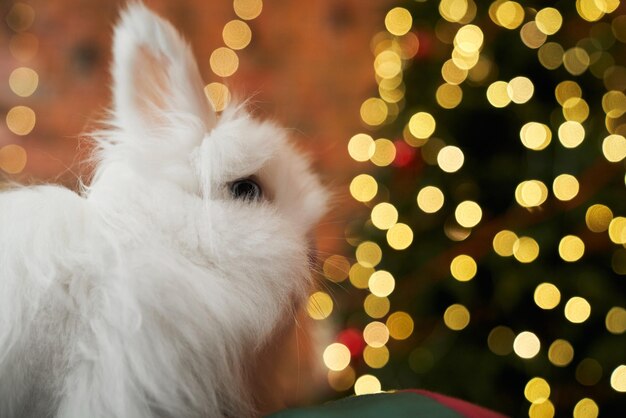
{"points": [[476, 149]]}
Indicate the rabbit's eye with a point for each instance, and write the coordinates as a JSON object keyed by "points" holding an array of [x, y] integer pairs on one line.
{"points": [[246, 189]]}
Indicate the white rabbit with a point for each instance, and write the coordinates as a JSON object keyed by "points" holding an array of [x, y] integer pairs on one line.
{"points": [[151, 293]]}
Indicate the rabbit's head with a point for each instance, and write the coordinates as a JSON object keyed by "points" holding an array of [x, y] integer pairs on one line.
{"points": [[225, 192]]}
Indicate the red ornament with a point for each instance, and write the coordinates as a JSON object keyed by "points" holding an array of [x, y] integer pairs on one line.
{"points": [[353, 339]]}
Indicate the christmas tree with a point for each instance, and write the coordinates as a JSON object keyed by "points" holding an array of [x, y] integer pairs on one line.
{"points": [[489, 255]]}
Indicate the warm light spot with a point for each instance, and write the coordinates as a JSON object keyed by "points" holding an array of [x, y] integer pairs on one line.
{"points": [[468, 214], [456, 317], [525, 250], [218, 95], [509, 14], [531, 36], [366, 385], [368, 254], [374, 111], [520, 90], [571, 248], [503, 243], [551, 55], [375, 306], [23, 81], [449, 96], [400, 325], [537, 390], [376, 334], [398, 21], [535, 136], [463, 268], [469, 39], [565, 187], [453, 74], [589, 9], [430, 199], [376, 357], [388, 64], [561, 353], [500, 340], [236, 34], [616, 320], [547, 296], [618, 378], [617, 230], [13, 159], [21, 120], [336, 356], [544, 409], [450, 158], [549, 20], [384, 215], [399, 236], [571, 134], [614, 103], [359, 275], [422, 125], [224, 62], [454, 10], [336, 268], [497, 94], [341, 380], [566, 90], [576, 60], [361, 147], [577, 310], [614, 148], [248, 9], [381, 283], [363, 188], [586, 408], [526, 345], [320, 305], [531, 193], [576, 109], [384, 152], [20, 17]]}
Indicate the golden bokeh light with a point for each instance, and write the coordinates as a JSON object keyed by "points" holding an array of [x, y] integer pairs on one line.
{"points": [[388, 64], [376, 334], [566, 90], [531, 193], [363, 188], [549, 20], [463, 268], [537, 390], [20, 17], [422, 125], [400, 236], [525, 250], [586, 408], [13, 158], [565, 187], [381, 283], [469, 39], [617, 230], [576, 60], [526, 345], [453, 74], [398, 21], [531, 36], [336, 268], [449, 96], [341, 380], [577, 310], [319, 305], [614, 103], [576, 109], [248, 9], [367, 384], [21, 120], [384, 152], [571, 134], [360, 275], [618, 378], [614, 148], [375, 306], [450, 158], [23, 81], [544, 409], [456, 317], [218, 95], [571, 248], [500, 340], [498, 95], [535, 136], [374, 111], [520, 89], [376, 358], [468, 214], [508, 14], [503, 243], [590, 10], [547, 296], [336, 356], [384, 215], [236, 34], [430, 199], [361, 147], [561, 353], [400, 325], [550, 55], [224, 62], [615, 320], [369, 254]]}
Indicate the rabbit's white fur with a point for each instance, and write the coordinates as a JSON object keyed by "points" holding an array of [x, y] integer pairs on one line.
{"points": [[149, 294]]}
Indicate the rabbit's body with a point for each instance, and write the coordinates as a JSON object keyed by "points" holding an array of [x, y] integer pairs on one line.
{"points": [[150, 294]]}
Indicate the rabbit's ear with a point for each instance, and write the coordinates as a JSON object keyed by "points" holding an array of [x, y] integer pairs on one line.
{"points": [[154, 73]]}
